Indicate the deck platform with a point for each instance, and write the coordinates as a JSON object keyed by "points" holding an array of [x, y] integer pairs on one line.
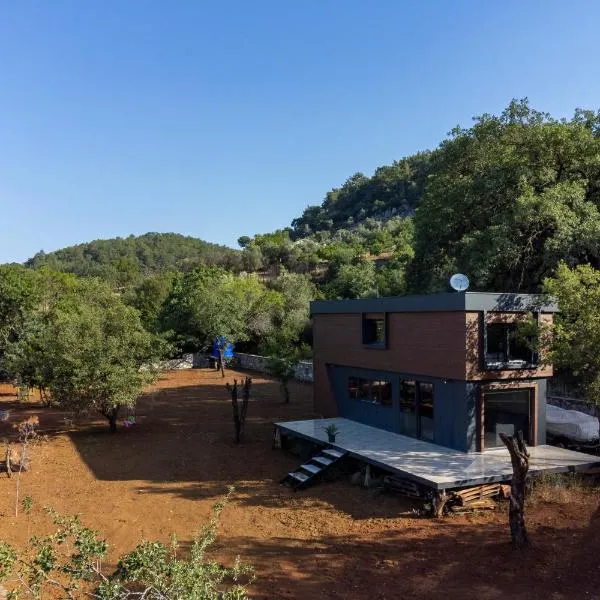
{"points": [[429, 464]]}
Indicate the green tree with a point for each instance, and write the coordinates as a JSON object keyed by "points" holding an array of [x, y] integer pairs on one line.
{"points": [[243, 241], [508, 199], [291, 316], [149, 296], [24, 294], [576, 332], [354, 281], [88, 349], [211, 303]]}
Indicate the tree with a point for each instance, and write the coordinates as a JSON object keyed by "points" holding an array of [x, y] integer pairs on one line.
{"points": [[243, 241], [68, 564], [239, 416], [507, 200], [519, 457], [24, 296], [210, 304], [295, 294], [88, 349], [149, 296], [123, 262], [354, 281], [576, 332], [282, 365]]}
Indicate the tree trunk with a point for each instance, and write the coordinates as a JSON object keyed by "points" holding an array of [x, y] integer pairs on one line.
{"points": [[222, 361], [8, 461], [519, 457], [112, 416], [233, 391], [246, 397], [286, 391]]}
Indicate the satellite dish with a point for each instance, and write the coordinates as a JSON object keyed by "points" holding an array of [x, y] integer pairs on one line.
{"points": [[459, 282]]}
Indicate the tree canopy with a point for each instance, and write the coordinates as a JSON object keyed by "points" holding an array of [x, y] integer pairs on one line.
{"points": [[125, 261], [83, 346]]}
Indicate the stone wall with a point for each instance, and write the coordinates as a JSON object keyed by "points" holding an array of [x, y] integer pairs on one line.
{"points": [[254, 362], [251, 362], [187, 361]]}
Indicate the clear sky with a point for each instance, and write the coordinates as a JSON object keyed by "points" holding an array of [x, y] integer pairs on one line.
{"points": [[219, 119]]}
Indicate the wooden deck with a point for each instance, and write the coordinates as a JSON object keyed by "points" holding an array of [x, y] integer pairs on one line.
{"points": [[429, 464]]}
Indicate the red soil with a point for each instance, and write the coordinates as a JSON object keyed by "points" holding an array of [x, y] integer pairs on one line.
{"points": [[332, 541]]}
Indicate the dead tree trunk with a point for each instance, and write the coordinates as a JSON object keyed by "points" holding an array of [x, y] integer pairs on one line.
{"points": [[519, 457], [246, 396], [222, 360], [233, 392], [286, 390], [8, 460], [239, 416]]}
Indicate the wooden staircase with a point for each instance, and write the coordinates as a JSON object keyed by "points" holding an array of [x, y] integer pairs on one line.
{"points": [[307, 474]]}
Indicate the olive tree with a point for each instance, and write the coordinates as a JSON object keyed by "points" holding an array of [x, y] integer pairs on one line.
{"points": [[87, 349]]}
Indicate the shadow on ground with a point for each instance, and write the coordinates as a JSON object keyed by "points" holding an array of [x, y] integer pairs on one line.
{"points": [[458, 561]]}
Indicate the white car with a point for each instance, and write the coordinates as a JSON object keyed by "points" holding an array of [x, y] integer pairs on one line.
{"points": [[571, 428]]}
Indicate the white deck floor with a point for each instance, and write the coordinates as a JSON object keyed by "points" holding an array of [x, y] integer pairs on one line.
{"points": [[435, 466]]}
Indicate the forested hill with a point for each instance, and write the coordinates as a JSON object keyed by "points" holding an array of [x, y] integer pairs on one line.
{"points": [[123, 261], [392, 190]]}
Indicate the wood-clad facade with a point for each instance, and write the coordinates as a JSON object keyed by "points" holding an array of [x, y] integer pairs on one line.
{"points": [[425, 365]]}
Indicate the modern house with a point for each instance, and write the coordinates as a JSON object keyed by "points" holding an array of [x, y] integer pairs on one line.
{"points": [[453, 369]]}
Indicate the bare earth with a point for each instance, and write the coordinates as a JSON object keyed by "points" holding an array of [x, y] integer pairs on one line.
{"points": [[332, 541]]}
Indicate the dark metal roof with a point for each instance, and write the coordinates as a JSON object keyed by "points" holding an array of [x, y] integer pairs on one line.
{"points": [[451, 301]]}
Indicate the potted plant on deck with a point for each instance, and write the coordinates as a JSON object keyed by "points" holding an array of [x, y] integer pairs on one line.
{"points": [[331, 430]]}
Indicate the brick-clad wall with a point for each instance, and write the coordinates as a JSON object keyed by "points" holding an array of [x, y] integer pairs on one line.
{"points": [[429, 343], [474, 370]]}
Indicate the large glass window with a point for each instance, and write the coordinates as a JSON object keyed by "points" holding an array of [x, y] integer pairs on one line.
{"points": [[408, 408], [426, 411], [506, 412], [506, 347], [370, 390], [416, 409], [381, 392]]}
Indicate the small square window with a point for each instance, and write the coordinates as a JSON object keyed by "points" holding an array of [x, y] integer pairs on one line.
{"points": [[374, 330]]}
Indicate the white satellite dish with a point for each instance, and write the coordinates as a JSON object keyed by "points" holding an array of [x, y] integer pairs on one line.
{"points": [[459, 282]]}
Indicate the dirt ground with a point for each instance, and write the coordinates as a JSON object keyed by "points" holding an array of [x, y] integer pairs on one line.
{"points": [[332, 541]]}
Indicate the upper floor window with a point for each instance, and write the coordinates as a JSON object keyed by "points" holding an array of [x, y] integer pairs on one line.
{"points": [[374, 330], [506, 347]]}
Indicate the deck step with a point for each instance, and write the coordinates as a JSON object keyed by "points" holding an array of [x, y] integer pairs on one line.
{"points": [[308, 473], [332, 452], [322, 460], [311, 468]]}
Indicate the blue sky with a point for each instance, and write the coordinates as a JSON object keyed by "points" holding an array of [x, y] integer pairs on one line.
{"points": [[219, 119]]}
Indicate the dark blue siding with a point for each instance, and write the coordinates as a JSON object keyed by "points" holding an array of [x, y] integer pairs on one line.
{"points": [[451, 412], [455, 414]]}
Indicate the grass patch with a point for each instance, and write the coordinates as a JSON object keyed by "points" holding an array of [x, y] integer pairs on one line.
{"points": [[562, 488]]}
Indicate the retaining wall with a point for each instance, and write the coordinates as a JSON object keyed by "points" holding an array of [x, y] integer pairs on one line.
{"points": [[255, 362]]}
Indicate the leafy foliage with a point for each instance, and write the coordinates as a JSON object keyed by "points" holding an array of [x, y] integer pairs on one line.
{"points": [[576, 331], [69, 563], [86, 347], [209, 303], [508, 199], [123, 262]]}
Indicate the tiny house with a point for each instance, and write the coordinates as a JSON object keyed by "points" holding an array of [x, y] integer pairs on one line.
{"points": [[452, 369]]}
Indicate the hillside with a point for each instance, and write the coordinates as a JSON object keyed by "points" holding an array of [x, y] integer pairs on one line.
{"points": [[393, 190], [123, 261]]}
